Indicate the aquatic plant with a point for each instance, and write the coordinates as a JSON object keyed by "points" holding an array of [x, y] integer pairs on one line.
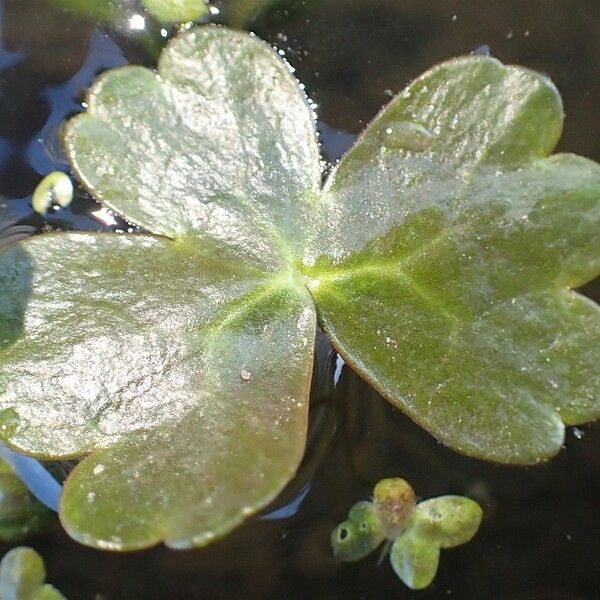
{"points": [[22, 577], [55, 188], [164, 11], [21, 514], [438, 257], [414, 533], [176, 11]]}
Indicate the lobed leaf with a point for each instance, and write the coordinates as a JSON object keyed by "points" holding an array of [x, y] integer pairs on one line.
{"points": [[22, 575], [439, 258], [451, 248], [448, 520], [163, 358]]}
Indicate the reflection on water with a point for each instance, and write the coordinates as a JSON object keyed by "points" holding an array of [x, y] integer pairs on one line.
{"points": [[44, 152], [539, 537]]}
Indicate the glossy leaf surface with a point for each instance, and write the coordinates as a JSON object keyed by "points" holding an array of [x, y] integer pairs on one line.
{"points": [[451, 247], [415, 533], [439, 256], [22, 576], [182, 364]]}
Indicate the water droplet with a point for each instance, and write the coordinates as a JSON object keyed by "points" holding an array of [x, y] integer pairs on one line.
{"points": [[313, 284], [98, 469], [308, 261], [483, 50], [245, 375], [578, 433], [137, 23], [91, 497], [408, 136]]}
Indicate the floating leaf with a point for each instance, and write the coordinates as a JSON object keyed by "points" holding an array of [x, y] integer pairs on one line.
{"points": [[438, 257], [176, 11], [394, 500], [449, 520], [415, 560], [21, 514], [22, 576], [445, 261], [415, 532], [184, 363], [359, 535], [443, 522]]}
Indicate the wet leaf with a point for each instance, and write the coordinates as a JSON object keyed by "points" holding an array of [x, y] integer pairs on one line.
{"points": [[445, 255], [176, 11], [181, 363], [414, 533], [439, 256], [22, 576]]}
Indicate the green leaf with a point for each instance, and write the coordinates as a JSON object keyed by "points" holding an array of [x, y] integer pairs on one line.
{"points": [[444, 270], [415, 560], [207, 147], [443, 522], [22, 575], [182, 365], [176, 11], [358, 535], [448, 520], [416, 534], [394, 500], [439, 258], [21, 514]]}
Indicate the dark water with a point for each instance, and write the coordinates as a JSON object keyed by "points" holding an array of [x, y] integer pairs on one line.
{"points": [[540, 536]]}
